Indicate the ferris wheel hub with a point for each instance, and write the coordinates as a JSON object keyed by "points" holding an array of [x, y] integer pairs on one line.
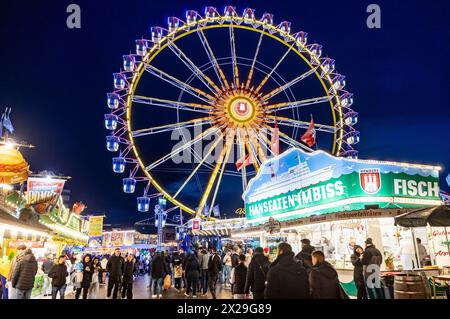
{"points": [[241, 109]]}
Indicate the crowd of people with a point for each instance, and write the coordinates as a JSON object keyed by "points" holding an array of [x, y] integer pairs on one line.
{"points": [[245, 274]]}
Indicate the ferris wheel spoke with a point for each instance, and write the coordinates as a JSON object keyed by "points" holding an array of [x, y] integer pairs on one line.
{"points": [[171, 127], [286, 86], [212, 178], [288, 140], [299, 124], [193, 107], [229, 146], [233, 58], [179, 84], [255, 58], [269, 75], [256, 145], [209, 52], [241, 143], [264, 141], [183, 147], [206, 80], [213, 147], [296, 104]]}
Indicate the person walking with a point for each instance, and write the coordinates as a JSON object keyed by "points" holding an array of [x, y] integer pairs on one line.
{"points": [[287, 279], [114, 268], [227, 268], [248, 257], [177, 263], [323, 278], [371, 260], [129, 269], [203, 262], [358, 275], [58, 273], [159, 271], [256, 274], [22, 279], [87, 277], [95, 283], [304, 256], [192, 271], [238, 278], [214, 268], [46, 266]]}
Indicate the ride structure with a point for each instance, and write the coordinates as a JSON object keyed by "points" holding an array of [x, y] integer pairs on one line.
{"points": [[235, 96]]}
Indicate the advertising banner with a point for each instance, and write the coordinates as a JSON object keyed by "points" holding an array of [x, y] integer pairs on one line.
{"points": [[440, 238], [298, 184], [44, 190], [95, 226]]}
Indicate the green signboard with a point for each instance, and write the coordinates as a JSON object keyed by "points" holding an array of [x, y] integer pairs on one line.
{"points": [[297, 184]]}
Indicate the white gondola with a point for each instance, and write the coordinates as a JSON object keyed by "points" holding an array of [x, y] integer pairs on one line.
{"points": [[192, 16], [249, 16], [111, 121], [120, 81], [352, 138], [301, 38], [157, 34], [129, 185], [328, 65], [353, 154], [285, 27], [129, 63], [316, 50], [118, 164], [211, 12], [143, 204], [230, 12], [173, 23], [338, 82], [267, 20], [351, 118], [113, 101], [112, 143], [346, 99], [142, 47]]}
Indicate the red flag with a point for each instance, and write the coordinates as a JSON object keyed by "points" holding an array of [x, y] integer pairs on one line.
{"points": [[78, 208], [275, 141], [309, 138], [243, 162]]}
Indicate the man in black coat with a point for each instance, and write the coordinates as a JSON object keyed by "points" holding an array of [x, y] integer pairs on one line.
{"points": [[22, 278], [256, 274], [129, 269], [323, 278], [214, 267], [238, 278], [59, 273], [358, 275], [371, 260], [288, 278], [304, 256], [115, 269]]}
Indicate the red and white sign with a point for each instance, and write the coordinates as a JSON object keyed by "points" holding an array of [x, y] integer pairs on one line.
{"points": [[41, 190], [370, 180]]}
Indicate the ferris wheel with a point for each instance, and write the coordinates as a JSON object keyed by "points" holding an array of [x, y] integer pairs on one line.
{"points": [[233, 80]]}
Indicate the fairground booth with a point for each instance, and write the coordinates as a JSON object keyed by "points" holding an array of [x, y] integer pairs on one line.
{"points": [[339, 202]]}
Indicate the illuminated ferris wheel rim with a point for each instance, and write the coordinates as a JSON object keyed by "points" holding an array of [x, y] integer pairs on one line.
{"points": [[178, 29]]}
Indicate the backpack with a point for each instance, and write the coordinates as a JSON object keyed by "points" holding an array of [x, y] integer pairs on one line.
{"points": [[213, 266]]}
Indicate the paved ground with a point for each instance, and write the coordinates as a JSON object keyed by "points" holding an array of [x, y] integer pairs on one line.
{"points": [[141, 290]]}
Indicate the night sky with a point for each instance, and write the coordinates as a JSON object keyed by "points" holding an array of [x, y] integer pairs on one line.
{"points": [[56, 80]]}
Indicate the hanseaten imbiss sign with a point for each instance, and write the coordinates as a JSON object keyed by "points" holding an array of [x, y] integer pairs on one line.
{"points": [[298, 184]]}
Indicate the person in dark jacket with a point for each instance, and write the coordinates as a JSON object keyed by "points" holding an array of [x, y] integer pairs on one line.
{"points": [[88, 270], [288, 278], [358, 275], [235, 256], [58, 273], [238, 277], [304, 256], [23, 275], [323, 278], [129, 268], [214, 268], [159, 271], [256, 274], [115, 268], [46, 266], [371, 260], [192, 271]]}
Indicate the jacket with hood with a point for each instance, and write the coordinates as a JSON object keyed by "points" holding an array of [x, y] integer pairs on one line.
{"points": [[257, 273], [324, 282], [305, 256], [87, 274], [371, 256], [24, 271], [287, 279], [214, 265], [58, 273], [192, 268], [358, 276]]}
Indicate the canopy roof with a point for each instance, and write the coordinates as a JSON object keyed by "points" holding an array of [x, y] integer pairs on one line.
{"points": [[438, 216]]}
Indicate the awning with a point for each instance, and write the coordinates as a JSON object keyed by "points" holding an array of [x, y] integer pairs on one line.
{"points": [[9, 222], [437, 216]]}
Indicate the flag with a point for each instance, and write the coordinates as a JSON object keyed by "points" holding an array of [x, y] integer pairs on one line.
{"points": [[216, 211], [448, 179], [275, 141], [309, 138], [78, 208], [6, 123], [243, 162]]}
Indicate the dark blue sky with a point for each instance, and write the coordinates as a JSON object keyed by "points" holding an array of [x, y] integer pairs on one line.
{"points": [[55, 79]]}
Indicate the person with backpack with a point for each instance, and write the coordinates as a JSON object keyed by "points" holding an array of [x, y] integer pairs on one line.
{"points": [[214, 268], [371, 260], [323, 278], [256, 274], [288, 278], [58, 273], [238, 278]]}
